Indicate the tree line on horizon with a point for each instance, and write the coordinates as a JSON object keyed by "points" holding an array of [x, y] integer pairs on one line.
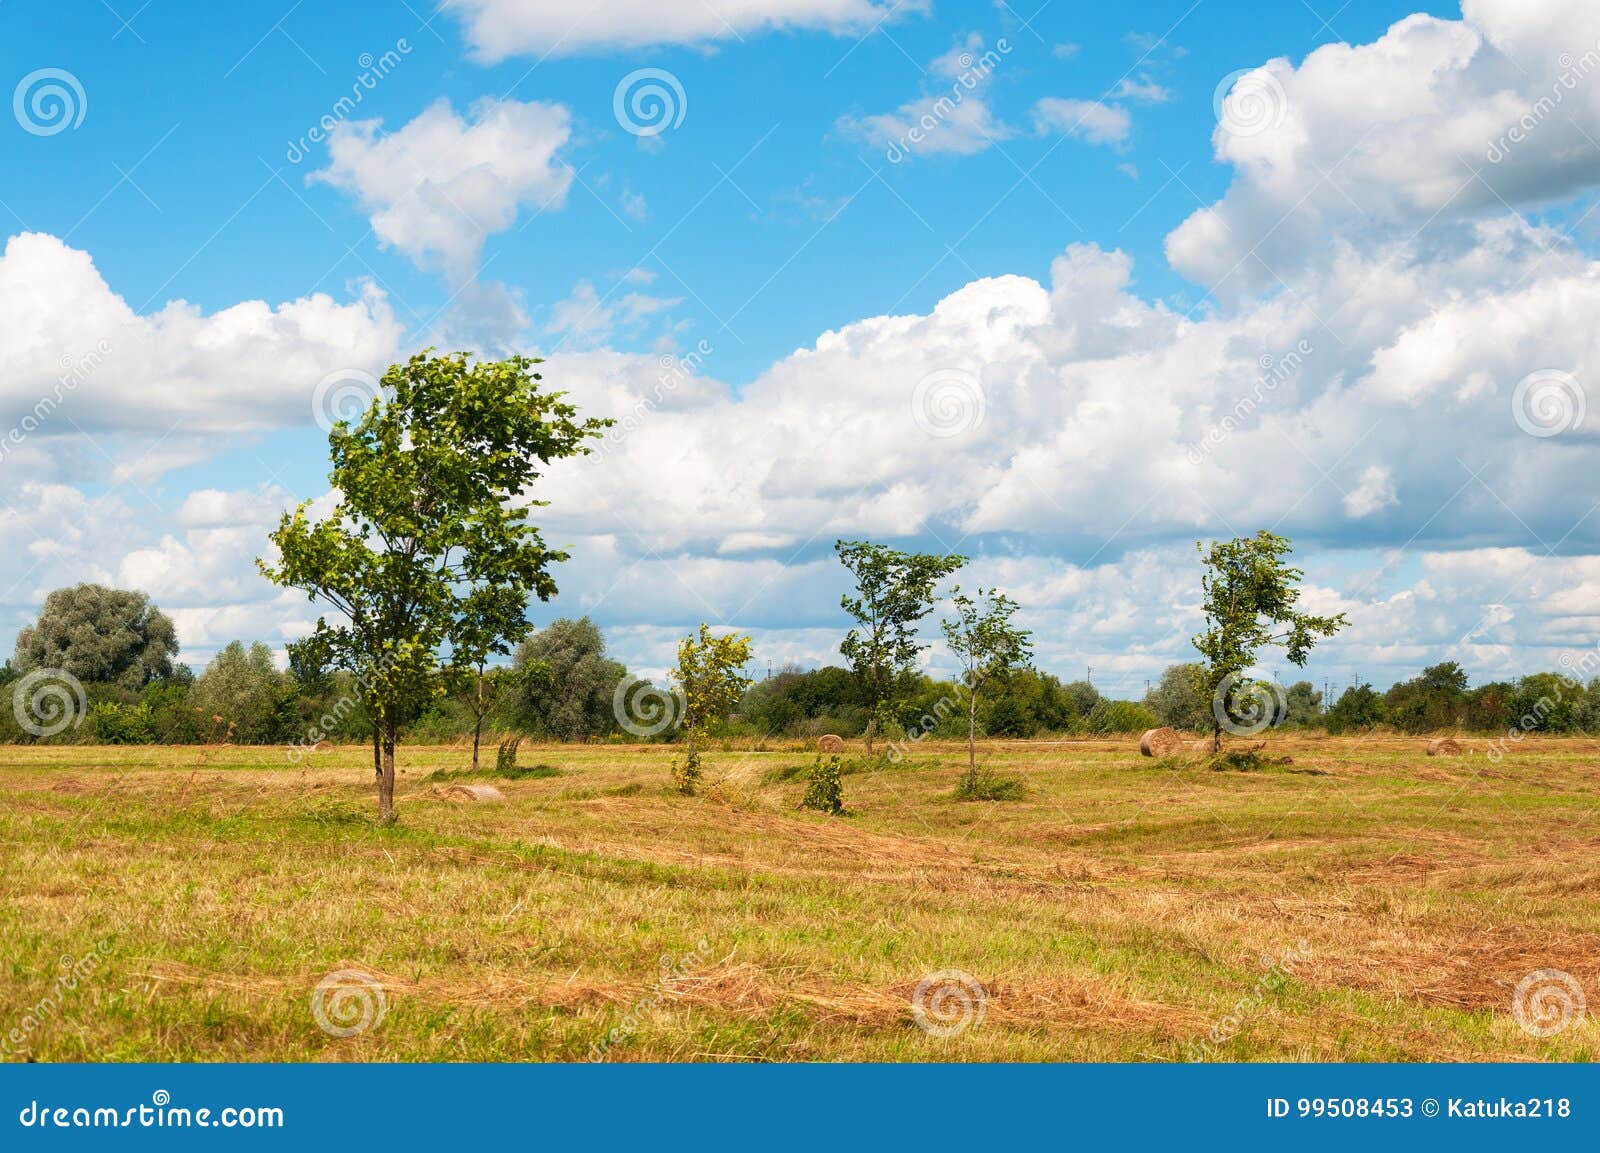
{"points": [[561, 685]]}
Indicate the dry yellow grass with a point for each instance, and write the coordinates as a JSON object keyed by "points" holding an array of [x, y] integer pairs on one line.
{"points": [[1362, 902]]}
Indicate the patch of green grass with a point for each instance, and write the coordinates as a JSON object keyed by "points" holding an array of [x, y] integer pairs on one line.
{"points": [[989, 787]]}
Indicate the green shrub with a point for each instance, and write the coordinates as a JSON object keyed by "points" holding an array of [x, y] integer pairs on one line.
{"points": [[1119, 717], [686, 771], [988, 787], [825, 793], [117, 724], [505, 757]]}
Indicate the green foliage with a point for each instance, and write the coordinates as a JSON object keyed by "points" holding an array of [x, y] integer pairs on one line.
{"points": [[244, 687], [825, 700], [1119, 717], [564, 683], [1249, 604], [987, 645], [686, 771], [1177, 699], [119, 724], [100, 635], [709, 676], [430, 547], [505, 757], [1026, 704], [825, 792], [1434, 700], [988, 787], [894, 591], [1302, 705], [1358, 709]]}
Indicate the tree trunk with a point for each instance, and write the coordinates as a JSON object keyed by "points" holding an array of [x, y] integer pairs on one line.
{"points": [[872, 722], [972, 742], [477, 728], [386, 780], [1216, 738], [377, 751]]}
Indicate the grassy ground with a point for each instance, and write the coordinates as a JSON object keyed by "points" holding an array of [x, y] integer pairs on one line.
{"points": [[1365, 902]]}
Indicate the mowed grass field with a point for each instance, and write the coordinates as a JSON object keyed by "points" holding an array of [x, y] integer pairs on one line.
{"points": [[1365, 902]]}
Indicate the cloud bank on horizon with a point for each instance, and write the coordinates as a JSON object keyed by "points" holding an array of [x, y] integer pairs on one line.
{"points": [[1396, 320]]}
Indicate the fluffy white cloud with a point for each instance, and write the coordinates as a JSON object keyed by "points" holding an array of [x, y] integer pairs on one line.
{"points": [[1091, 120], [76, 356], [439, 186], [501, 28], [1437, 121]]}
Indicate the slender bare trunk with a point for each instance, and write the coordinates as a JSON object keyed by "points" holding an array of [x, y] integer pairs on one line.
{"points": [[377, 751], [386, 781], [1216, 738], [872, 723], [972, 741], [477, 728]]}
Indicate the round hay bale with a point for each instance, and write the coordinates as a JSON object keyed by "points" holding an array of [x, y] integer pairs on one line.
{"points": [[830, 743], [1162, 742], [474, 793], [1445, 747]]}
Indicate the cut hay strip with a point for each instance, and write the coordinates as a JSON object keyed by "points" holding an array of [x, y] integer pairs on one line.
{"points": [[473, 793], [1162, 742], [830, 743], [1445, 747]]}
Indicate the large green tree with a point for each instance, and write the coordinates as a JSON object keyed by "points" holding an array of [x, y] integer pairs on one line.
{"points": [[429, 558], [894, 592], [1249, 604], [100, 634], [565, 683]]}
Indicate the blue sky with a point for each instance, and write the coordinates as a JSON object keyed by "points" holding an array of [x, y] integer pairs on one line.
{"points": [[1119, 262]]}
